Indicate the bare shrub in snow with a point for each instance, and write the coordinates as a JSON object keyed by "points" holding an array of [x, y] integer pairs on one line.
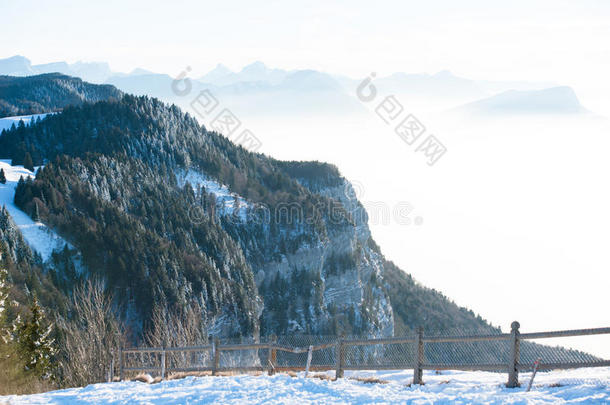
{"points": [[91, 336], [179, 328]]}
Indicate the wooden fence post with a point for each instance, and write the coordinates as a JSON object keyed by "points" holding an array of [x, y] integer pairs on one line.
{"points": [[419, 357], [120, 362], [272, 356], [340, 358], [513, 361], [163, 354], [111, 368], [216, 351], [308, 364]]}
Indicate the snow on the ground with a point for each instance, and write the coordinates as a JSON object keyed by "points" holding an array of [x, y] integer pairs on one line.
{"points": [[7, 122], [585, 386], [225, 199], [38, 236]]}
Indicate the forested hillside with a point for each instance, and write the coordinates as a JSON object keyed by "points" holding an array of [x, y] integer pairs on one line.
{"points": [[47, 93]]}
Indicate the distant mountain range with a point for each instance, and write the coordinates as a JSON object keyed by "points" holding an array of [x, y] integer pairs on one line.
{"points": [[261, 90], [255, 72], [256, 89], [555, 100], [94, 72]]}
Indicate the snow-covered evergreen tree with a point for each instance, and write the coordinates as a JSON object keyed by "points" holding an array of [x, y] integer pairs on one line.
{"points": [[36, 214], [27, 161], [36, 346]]}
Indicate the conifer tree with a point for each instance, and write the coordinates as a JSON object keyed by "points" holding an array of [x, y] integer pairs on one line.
{"points": [[36, 346], [27, 162], [36, 216], [2, 177]]}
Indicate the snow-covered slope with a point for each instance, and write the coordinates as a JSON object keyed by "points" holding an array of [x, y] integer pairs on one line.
{"points": [[225, 199], [38, 236], [581, 386], [7, 122]]}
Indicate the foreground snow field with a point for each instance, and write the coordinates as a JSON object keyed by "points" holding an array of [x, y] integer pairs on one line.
{"points": [[585, 386]]}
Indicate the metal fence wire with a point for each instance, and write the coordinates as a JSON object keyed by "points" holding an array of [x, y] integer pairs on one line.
{"points": [[484, 349], [447, 348], [323, 357]]}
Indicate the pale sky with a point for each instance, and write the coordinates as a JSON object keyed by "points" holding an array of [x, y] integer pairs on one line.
{"points": [[548, 39], [567, 42]]}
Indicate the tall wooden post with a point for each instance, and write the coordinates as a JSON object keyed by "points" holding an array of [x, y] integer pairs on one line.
{"points": [[111, 369], [308, 364], [513, 361], [340, 358], [120, 362], [163, 355], [216, 352], [272, 356], [418, 372]]}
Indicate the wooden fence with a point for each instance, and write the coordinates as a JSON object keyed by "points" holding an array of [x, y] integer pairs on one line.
{"points": [[417, 362]]}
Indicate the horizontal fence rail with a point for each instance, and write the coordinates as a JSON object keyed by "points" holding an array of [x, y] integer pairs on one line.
{"points": [[418, 352], [565, 333], [472, 338]]}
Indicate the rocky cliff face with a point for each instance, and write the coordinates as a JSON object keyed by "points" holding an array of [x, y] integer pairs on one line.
{"points": [[318, 277], [341, 269]]}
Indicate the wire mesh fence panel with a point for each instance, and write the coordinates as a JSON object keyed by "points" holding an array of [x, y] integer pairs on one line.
{"points": [[530, 351], [323, 357], [239, 359], [550, 355], [264, 358], [397, 355], [472, 347], [293, 360], [139, 362], [189, 359], [467, 353], [230, 357]]}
